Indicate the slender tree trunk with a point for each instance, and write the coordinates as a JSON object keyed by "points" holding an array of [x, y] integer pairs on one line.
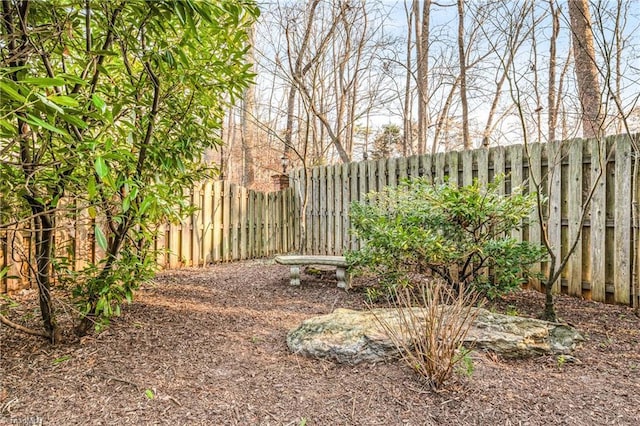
{"points": [[463, 77], [422, 59], [586, 68], [248, 124], [552, 117], [407, 143], [44, 222]]}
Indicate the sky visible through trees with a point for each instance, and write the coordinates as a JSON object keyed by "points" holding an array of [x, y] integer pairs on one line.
{"points": [[332, 74]]}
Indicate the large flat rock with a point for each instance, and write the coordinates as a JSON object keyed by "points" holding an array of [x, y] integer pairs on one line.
{"points": [[351, 337]]}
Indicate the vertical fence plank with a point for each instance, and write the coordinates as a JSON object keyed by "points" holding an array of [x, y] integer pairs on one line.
{"points": [[244, 222], [174, 245], [197, 229], [372, 176], [315, 212], [260, 229], [440, 164], [235, 222], [622, 233], [403, 169], [392, 172], [337, 210], [414, 166], [298, 193], [427, 167], [598, 219], [277, 229], [362, 190], [251, 224], [226, 223], [482, 158], [207, 222], [498, 161], [160, 246], [322, 237], [185, 234], [467, 167], [554, 180], [452, 162], [574, 213], [516, 178], [292, 220], [330, 206], [346, 202], [535, 176], [217, 226]]}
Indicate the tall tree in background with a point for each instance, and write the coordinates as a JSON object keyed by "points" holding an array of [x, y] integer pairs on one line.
{"points": [[248, 121], [422, 30], [463, 77], [586, 68]]}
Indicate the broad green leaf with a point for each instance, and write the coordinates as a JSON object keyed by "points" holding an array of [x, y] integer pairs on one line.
{"points": [[44, 81], [72, 79], [101, 167], [7, 125], [100, 238], [50, 104], [64, 101], [91, 187], [92, 212], [35, 121], [98, 103], [73, 120], [11, 92], [145, 205]]}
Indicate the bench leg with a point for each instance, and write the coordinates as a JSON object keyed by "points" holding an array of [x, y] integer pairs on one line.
{"points": [[344, 280], [295, 275]]}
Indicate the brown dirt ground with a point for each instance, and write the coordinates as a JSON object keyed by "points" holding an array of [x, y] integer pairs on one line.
{"points": [[210, 345]]}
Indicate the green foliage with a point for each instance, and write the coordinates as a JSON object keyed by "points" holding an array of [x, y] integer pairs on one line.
{"points": [[459, 234], [388, 138], [111, 109]]}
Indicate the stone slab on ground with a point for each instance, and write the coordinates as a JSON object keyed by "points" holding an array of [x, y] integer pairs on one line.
{"points": [[351, 337]]}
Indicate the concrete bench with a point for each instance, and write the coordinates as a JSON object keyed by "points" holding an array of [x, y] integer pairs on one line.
{"points": [[296, 262]]}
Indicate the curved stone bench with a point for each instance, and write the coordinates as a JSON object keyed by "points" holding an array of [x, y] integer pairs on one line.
{"points": [[296, 261]]}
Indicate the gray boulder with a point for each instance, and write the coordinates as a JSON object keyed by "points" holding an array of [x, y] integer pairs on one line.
{"points": [[351, 337]]}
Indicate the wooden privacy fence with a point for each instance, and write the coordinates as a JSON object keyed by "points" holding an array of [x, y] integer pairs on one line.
{"points": [[229, 223], [233, 223], [603, 266]]}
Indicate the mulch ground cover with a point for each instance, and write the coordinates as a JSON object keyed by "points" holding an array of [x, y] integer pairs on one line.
{"points": [[207, 346]]}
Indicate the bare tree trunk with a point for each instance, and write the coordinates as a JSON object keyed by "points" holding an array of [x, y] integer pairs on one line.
{"points": [[463, 77], [248, 124], [534, 69], [422, 59], [298, 71], [552, 116], [585, 68], [407, 140]]}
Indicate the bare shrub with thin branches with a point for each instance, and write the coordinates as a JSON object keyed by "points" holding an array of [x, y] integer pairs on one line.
{"points": [[431, 324]]}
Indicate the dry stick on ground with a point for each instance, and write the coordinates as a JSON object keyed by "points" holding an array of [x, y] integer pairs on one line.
{"points": [[6, 321]]}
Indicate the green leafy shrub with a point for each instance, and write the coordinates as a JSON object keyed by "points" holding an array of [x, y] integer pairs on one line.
{"points": [[458, 234]]}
